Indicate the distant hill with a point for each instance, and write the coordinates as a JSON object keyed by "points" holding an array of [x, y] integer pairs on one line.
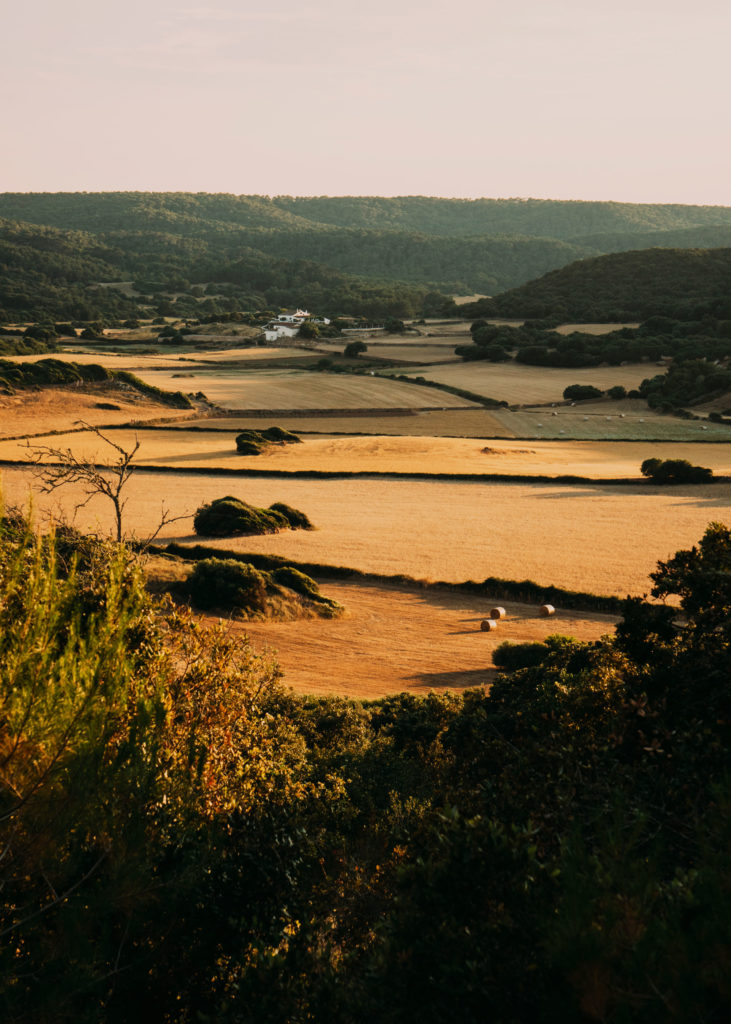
{"points": [[320, 251], [539, 218], [623, 286], [49, 274]]}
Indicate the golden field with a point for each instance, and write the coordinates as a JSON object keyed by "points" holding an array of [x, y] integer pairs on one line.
{"points": [[600, 538], [37, 412], [628, 420], [531, 385], [288, 389], [393, 639], [383, 454]]}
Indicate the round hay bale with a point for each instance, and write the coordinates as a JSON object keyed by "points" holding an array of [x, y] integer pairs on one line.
{"points": [[498, 613], [488, 625], [546, 610]]}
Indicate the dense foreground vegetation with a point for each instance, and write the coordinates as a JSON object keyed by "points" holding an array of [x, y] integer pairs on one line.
{"points": [[185, 840]]}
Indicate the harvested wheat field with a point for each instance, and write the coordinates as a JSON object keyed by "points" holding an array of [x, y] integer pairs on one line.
{"points": [[626, 420], [383, 454], [531, 385], [175, 358], [283, 389], [55, 409], [397, 638], [472, 422], [388, 454], [420, 353], [597, 538]]}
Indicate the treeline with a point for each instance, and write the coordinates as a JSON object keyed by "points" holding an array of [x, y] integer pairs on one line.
{"points": [[186, 839]]}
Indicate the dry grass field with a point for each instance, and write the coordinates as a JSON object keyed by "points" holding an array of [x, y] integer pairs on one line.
{"points": [[627, 420], [403, 638], [385, 454], [471, 422], [599, 538], [287, 389], [168, 357], [35, 412], [531, 385]]}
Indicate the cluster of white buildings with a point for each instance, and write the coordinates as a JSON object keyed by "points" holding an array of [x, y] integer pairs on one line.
{"points": [[288, 324]]}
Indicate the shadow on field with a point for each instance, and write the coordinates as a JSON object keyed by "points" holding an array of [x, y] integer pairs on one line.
{"points": [[458, 680]]}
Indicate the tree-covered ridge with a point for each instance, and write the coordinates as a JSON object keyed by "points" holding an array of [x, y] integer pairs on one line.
{"points": [[543, 218], [54, 274], [623, 286], [409, 242], [185, 839]]}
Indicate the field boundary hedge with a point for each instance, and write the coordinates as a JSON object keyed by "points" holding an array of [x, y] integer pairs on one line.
{"points": [[526, 591]]}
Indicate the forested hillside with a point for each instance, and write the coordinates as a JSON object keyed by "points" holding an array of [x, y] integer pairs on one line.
{"points": [[624, 286], [362, 255]]}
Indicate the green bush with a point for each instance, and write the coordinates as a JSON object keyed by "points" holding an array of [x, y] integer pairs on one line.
{"points": [[252, 442], [278, 435], [617, 392], [581, 392], [675, 471], [510, 656], [230, 517], [226, 583], [295, 580], [354, 348], [296, 519], [247, 446]]}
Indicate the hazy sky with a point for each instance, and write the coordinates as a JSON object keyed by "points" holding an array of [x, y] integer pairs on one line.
{"points": [[582, 99]]}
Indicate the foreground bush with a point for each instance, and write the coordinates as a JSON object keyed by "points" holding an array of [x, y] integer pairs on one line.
{"points": [[229, 517], [183, 839]]}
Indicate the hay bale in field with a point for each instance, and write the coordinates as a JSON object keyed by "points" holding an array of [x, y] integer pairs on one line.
{"points": [[546, 610], [498, 613], [488, 625]]}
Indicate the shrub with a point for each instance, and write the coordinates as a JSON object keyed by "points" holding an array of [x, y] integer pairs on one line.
{"points": [[226, 583], [247, 446], [354, 348], [290, 577], [281, 436], [617, 392], [230, 517], [251, 442], [581, 392], [510, 656], [675, 471], [296, 519]]}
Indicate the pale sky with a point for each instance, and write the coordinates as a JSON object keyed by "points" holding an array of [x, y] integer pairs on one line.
{"points": [[569, 99]]}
